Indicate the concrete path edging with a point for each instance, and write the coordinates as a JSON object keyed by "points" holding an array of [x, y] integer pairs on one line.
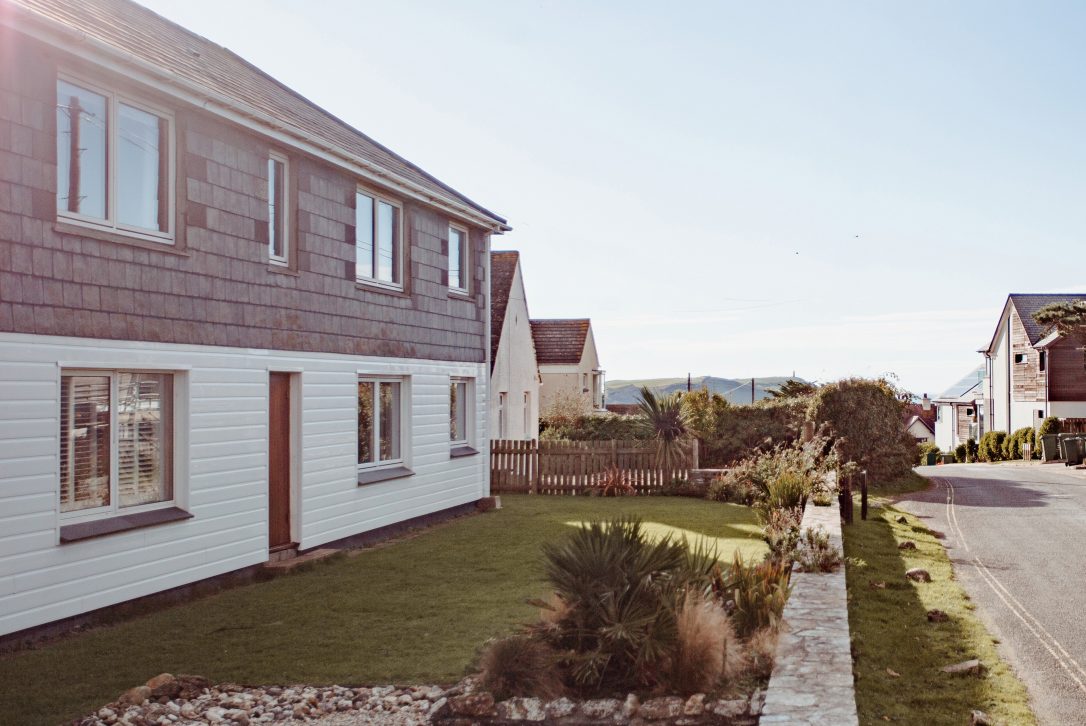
{"points": [[812, 673]]}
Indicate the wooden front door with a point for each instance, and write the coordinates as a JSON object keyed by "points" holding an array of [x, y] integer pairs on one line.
{"points": [[279, 460]]}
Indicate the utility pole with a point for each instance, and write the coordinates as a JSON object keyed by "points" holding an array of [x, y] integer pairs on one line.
{"points": [[688, 383], [751, 391]]}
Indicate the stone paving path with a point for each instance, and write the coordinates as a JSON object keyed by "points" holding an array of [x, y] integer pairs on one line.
{"points": [[812, 676]]}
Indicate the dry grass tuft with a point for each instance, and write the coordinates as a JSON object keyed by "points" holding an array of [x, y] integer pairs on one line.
{"points": [[707, 652], [521, 666], [761, 647]]}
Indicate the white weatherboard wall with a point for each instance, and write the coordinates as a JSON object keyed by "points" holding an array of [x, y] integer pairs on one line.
{"points": [[945, 435], [225, 457], [515, 370]]}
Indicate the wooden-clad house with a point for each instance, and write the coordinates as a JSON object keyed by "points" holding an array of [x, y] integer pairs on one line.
{"points": [[231, 325]]}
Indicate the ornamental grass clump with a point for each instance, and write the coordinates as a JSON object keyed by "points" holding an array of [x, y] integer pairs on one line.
{"points": [[753, 593], [707, 651], [521, 666]]}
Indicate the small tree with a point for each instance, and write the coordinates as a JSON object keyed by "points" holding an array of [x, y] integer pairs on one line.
{"points": [[865, 419], [564, 409], [666, 421], [1066, 318]]}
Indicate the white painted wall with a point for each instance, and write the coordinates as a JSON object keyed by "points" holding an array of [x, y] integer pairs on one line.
{"points": [[945, 435], [515, 370], [225, 458], [1067, 409], [1000, 383]]}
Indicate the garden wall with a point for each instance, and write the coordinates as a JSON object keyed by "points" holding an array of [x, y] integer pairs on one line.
{"points": [[812, 675]]}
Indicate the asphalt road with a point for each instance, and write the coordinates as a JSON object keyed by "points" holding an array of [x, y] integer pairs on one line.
{"points": [[1017, 537]]}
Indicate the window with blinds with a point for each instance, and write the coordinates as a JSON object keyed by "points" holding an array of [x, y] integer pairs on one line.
{"points": [[116, 441]]}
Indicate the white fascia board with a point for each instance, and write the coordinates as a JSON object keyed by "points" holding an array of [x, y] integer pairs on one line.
{"points": [[106, 56]]}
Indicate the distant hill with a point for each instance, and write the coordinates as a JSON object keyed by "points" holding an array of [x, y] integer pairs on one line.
{"points": [[735, 390]]}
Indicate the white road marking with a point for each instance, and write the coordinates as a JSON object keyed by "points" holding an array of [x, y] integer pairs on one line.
{"points": [[1039, 632]]}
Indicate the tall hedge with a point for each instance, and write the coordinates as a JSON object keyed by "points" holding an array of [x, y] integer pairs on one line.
{"points": [[727, 434], [865, 419]]}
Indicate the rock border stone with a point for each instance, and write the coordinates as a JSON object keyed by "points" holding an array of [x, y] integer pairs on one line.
{"points": [[812, 679]]}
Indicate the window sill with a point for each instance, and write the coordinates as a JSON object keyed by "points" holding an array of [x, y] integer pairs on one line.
{"points": [[121, 523], [460, 295], [381, 287], [79, 230], [462, 450], [377, 475], [283, 270]]}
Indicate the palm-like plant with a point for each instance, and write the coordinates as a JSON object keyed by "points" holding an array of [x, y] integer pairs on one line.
{"points": [[665, 421], [619, 593]]}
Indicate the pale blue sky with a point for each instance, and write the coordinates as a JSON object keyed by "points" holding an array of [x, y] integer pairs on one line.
{"points": [[728, 188]]}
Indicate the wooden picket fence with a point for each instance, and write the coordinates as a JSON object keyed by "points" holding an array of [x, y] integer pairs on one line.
{"points": [[574, 467]]}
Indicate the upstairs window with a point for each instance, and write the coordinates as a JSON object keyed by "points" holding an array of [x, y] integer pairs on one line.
{"points": [[458, 259], [116, 441], [1043, 360], [378, 253], [278, 210], [1019, 358], [114, 163]]}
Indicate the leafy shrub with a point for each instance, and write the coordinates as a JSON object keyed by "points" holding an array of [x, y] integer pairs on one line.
{"points": [[1013, 445], [972, 449], [926, 448], [991, 446], [597, 427], [521, 666], [729, 433], [864, 419], [734, 487], [1050, 425], [755, 593], [814, 553], [619, 594], [781, 532], [961, 454], [707, 651]]}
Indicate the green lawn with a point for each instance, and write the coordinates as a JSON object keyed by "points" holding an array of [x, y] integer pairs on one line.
{"points": [[890, 632], [414, 611]]}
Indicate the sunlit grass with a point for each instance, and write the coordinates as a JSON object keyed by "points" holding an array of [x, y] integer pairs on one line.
{"points": [[414, 611]]}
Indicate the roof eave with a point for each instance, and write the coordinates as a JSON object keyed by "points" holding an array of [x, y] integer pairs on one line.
{"points": [[76, 42]]}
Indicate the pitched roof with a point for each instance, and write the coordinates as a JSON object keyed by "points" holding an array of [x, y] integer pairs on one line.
{"points": [[916, 412], [140, 34], [1027, 305], [503, 268], [966, 385], [560, 341]]}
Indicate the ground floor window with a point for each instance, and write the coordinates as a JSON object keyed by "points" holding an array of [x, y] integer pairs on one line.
{"points": [[459, 396], [380, 422], [116, 441]]}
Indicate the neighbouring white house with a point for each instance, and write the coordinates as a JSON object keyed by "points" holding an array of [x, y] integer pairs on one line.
{"points": [[959, 411], [514, 377], [569, 364], [232, 327], [1032, 373]]}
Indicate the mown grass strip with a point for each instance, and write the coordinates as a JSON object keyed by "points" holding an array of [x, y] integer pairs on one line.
{"points": [[897, 652]]}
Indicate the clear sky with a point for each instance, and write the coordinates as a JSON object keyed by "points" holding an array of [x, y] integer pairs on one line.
{"points": [[734, 189]]}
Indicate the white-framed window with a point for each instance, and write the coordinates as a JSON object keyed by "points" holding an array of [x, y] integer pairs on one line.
{"points": [[380, 422], [1019, 358], [377, 240], [278, 209], [460, 398], [116, 442], [502, 402], [115, 162], [458, 259], [528, 433]]}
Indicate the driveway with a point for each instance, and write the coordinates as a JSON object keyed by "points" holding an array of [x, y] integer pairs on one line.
{"points": [[1017, 537]]}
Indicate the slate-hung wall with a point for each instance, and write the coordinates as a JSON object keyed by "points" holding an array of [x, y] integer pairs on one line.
{"points": [[60, 280]]}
